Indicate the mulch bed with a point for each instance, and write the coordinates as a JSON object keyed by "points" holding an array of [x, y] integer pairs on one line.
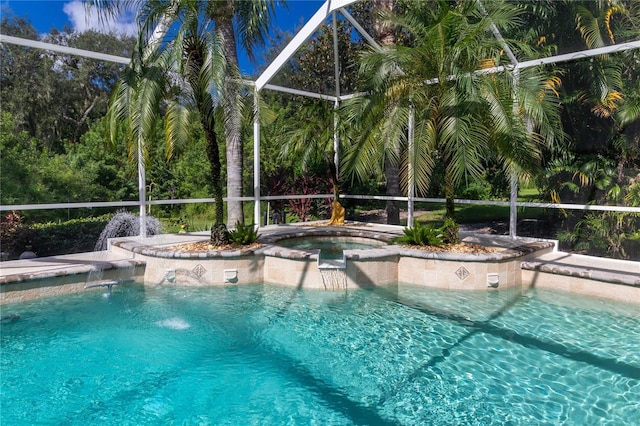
{"points": [[205, 246], [458, 248], [451, 248]]}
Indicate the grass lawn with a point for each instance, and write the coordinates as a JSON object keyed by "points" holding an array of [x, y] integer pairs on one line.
{"points": [[474, 213]]}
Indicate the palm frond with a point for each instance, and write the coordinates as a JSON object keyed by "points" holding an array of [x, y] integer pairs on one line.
{"points": [[108, 9], [629, 112], [589, 27], [252, 19], [424, 157], [177, 126]]}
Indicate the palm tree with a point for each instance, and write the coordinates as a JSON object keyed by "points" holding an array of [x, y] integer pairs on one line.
{"points": [[230, 20], [605, 93], [387, 37], [184, 74], [248, 21], [459, 114]]}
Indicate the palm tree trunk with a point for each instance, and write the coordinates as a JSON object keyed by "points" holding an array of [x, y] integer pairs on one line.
{"points": [[203, 105], [386, 37], [450, 229], [233, 122], [449, 195], [213, 155], [392, 173]]}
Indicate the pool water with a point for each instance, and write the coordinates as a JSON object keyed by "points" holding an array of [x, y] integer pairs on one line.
{"points": [[267, 355]]}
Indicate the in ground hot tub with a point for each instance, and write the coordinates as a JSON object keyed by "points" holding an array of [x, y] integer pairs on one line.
{"points": [[323, 257], [330, 246]]}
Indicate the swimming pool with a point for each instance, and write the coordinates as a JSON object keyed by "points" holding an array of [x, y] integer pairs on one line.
{"points": [[257, 354]]}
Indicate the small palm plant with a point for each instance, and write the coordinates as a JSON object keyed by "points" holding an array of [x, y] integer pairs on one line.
{"points": [[421, 236], [244, 234]]}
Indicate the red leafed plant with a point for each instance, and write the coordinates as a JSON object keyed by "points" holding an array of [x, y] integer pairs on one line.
{"points": [[304, 208], [9, 226]]}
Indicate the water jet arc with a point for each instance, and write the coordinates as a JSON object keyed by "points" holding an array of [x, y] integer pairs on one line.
{"points": [[109, 284]]}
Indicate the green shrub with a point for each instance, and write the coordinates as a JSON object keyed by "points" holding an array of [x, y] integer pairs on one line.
{"points": [[244, 234], [477, 191], [421, 236], [52, 239], [603, 234], [73, 236]]}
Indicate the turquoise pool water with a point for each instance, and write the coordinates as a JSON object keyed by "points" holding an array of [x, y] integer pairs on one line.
{"points": [[262, 355]]}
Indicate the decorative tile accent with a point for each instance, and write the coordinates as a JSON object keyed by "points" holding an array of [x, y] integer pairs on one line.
{"points": [[199, 270], [462, 273]]}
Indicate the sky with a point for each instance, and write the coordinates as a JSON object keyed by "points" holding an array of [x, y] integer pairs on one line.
{"points": [[47, 14]]}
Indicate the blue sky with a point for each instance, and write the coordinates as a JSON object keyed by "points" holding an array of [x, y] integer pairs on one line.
{"points": [[47, 14]]}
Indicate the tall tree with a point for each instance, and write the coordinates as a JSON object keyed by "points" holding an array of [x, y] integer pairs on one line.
{"points": [[387, 37], [309, 133], [248, 21], [374, 17], [85, 84], [71, 91], [22, 70], [459, 114], [230, 20], [182, 74], [601, 115]]}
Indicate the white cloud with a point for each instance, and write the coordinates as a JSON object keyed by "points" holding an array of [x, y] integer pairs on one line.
{"points": [[83, 20]]}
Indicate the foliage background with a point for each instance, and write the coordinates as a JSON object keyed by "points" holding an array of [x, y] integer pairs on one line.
{"points": [[53, 141]]}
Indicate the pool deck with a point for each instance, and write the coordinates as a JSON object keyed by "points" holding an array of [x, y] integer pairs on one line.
{"points": [[558, 270], [57, 266]]}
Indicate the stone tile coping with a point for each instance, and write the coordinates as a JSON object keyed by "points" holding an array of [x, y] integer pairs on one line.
{"points": [[15, 271], [384, 237], [559, 263], [589, 267], [164, 250], [158, 246]]}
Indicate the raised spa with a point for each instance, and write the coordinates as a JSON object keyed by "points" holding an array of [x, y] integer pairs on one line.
{"points": [[292, 256]]}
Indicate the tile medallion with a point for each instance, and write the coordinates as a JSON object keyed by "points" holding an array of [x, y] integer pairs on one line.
{"points": [[199, 270], [462, 273]]}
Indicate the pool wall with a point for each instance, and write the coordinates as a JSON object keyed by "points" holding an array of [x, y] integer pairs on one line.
{"points": [[458, 274], [58, 277], [299, 268], [465, 271], [166, 265], [573, 273], [387, 264]]}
